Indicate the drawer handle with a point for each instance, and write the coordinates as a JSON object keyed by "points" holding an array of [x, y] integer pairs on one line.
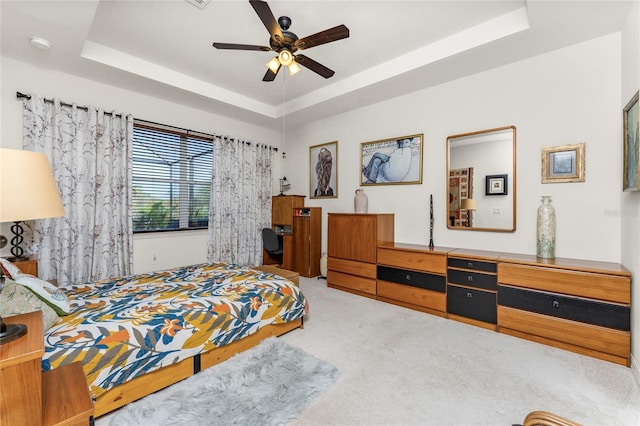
{"points": [[556, 304], [469, 278], [469, 295], [408, 277], [470, 264]]}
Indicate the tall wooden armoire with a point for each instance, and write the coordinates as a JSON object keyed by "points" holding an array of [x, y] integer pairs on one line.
{"points": [[307, 232]]}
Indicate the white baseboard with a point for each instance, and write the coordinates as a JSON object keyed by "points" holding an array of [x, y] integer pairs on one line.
{"points": [[635, 369]]}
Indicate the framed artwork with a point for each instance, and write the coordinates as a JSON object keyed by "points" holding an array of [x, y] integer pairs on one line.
{"points": [[323, 170], [394, 161], [496, 185], [564, 163], [631, 176]]}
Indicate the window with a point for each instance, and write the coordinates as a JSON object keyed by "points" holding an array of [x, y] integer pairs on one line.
{"points": [[171, 178]]}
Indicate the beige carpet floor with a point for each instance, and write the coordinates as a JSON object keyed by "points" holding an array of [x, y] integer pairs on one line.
{"points": [[403, 367]]}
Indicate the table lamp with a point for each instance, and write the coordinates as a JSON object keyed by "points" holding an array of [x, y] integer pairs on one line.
{"points": [[284, 185], [468, 204], [28, 191]]}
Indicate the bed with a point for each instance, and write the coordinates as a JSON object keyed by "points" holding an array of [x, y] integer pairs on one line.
{"points": [[138, 334]]}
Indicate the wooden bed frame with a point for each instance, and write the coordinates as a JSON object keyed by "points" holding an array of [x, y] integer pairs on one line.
{"points": [[152, 382]]}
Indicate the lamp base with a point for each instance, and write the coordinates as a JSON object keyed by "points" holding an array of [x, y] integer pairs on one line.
{"points": [[16, 240], [11, 332]]}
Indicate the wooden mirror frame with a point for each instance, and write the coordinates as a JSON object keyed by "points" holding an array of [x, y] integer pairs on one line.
{"points": [[504, 197]]}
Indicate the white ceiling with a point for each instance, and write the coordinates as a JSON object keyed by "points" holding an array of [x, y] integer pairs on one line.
{"points": [[163, 47]]}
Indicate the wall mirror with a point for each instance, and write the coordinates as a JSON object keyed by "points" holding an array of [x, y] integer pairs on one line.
{"points": [[481, 180]]}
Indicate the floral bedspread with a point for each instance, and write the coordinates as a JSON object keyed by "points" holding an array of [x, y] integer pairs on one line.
{"points": [[123, 328]]}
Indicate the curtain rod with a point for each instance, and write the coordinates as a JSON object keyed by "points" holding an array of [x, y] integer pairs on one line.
{"points": [[21, 95], [84, 108]]}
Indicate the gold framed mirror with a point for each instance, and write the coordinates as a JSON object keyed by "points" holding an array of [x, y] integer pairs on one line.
{"points": [[481, 180]]}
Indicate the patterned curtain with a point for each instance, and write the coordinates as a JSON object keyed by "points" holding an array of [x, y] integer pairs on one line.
{"points": [[90, 154], [240, 201]]}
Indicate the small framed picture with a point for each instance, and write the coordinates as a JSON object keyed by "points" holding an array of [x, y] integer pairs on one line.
{"points": [[496, 185], [323, 170], [631, 145], [395, 161], [564, 163]]}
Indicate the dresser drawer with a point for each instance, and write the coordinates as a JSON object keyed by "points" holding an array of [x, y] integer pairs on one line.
{"points": [[352, 267], [475, 265], [613, 288], [389, 292], [412, 278], [351, 282], [565, 332], [427, 262], [567, 307], [476, 304], [472, 279]]}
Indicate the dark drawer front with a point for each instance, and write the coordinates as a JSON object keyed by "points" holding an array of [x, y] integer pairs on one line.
{"points": [[412, 278], [476, 304], [567, 307], [473, 279], [472, 264]]}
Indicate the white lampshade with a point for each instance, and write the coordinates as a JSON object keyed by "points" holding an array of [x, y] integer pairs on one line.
{"points": [[468, 204], [294, 68], [274, 65], [28, 190]]}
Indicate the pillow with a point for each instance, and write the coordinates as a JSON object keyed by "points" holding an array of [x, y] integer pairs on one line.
{"points": [[9, 269], [16, 299], [47, 292]]}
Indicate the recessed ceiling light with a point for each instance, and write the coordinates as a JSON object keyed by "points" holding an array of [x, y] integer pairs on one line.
{"points": [[40, 43]]}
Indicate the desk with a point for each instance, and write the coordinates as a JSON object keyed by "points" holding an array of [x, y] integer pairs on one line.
{"points": [[287, 253]]}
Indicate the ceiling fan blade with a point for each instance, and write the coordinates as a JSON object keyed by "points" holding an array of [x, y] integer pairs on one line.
{"points": [[326, 36], [240, 46], [270, 75], [266, 16], [314, 66]]}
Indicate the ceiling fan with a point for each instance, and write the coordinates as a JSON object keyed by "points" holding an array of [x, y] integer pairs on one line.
{"points": [[286, 43]]}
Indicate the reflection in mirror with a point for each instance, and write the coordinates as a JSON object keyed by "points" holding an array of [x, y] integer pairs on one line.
{"points": [[481, 180]]}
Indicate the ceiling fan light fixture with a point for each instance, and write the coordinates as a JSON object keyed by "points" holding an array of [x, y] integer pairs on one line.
{"points": [[274, 65], [294, 68], [285, 57]]}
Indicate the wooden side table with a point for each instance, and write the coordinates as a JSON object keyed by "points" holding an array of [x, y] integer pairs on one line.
{"points": [[292, 276], [29, 266], [30, 397]]}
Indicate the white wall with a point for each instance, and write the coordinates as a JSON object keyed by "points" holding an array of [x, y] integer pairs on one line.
{"points": [[567, 96], [170, 249], [630, 207]]}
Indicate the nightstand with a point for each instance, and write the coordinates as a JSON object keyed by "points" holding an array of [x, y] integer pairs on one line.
{"points": [[29, 266], [30, 397]]}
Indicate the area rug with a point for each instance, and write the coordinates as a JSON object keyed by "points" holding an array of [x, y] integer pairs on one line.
{"points": [[269, 384]]}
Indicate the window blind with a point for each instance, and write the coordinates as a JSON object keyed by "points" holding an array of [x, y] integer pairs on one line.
{"points": [[172, 171]]}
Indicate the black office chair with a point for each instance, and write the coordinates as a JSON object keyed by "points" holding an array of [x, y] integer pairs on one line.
{"points": [[272, 244]]}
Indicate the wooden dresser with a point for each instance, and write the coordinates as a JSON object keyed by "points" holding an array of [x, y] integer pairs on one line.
{"points": [[413, 276], [472, 286], [30, 397], [352, 250], [578, 305]]}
